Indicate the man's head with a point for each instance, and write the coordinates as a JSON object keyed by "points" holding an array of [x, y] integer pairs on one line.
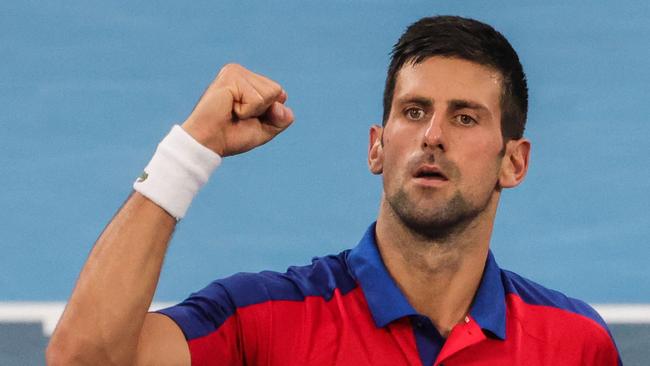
{"points": [[453, 125], [467, 39]]}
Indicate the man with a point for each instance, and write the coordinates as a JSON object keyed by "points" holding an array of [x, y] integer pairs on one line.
{"points": [[420, 288]]}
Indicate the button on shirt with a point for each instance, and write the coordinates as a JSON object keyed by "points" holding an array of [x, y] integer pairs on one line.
{"points": [[345, 309]]}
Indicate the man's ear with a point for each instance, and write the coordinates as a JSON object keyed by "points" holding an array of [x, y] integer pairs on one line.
{"points": [[515, 163], [376, 150]]}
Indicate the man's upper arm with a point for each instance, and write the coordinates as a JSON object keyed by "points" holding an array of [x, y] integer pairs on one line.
{"points": [[162, 343]]}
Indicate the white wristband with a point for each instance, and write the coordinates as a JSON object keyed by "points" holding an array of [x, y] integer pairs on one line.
{"points": [[179, 168]]}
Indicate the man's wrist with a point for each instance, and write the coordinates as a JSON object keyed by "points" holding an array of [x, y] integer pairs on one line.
{"points": [[205, 138], [179, 168]]}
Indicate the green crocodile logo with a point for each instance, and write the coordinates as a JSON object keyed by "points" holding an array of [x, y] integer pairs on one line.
{"points": [[142, 177]]}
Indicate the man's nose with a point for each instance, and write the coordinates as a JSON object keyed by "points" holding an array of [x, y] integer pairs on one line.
{"points": [[433, 135]]}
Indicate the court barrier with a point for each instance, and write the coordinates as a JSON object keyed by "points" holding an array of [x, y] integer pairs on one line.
{"points": [[48, 313]]}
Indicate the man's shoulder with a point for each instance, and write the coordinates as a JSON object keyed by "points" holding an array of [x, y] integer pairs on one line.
{"points": [[550, 321], [321, 278], [253, 294], [538, 306]]}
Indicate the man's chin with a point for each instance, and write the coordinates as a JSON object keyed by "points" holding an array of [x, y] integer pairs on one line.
{"points": [[433, 217], [433, 227]]}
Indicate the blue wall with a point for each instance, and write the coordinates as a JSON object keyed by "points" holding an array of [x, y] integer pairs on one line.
{"points": [[88, 88]]}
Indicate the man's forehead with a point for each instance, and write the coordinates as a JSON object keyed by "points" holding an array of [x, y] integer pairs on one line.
{"points": [[452, 77]]}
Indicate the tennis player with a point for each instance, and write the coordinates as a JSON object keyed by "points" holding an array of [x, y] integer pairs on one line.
{"points": [[420, 288]]}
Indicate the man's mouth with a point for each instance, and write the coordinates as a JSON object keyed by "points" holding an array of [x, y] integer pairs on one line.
{"points": [[429, 172]]}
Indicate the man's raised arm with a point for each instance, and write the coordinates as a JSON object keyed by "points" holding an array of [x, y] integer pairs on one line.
{"points": [[106, 321]]}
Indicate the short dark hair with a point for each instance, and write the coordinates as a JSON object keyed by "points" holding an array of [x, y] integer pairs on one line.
{"points": [[471, 40]]}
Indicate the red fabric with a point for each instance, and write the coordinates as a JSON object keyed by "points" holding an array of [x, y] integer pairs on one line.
{"points": [[342, 332], [535, 335], [310, 332]]}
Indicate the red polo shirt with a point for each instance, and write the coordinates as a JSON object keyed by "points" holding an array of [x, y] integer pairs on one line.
{"points": [[345, 309]]}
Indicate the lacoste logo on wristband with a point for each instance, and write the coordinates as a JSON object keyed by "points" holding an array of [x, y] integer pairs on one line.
{"points": [[142, 177]]}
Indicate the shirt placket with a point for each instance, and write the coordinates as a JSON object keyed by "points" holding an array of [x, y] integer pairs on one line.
{"points": [[462, 336]]}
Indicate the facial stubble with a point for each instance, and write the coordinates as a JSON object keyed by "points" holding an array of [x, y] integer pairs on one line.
{"points": [[436, 223]]}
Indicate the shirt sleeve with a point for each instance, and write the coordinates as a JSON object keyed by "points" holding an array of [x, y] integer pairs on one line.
{"points": [[209, 321], [604, 350]]}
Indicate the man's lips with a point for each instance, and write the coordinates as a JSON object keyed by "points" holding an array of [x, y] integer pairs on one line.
{"points": [[430, 172]]}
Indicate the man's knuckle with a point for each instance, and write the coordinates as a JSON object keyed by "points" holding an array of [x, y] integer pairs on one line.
{"points": [[276, 89], [231, 66], [260, 99], [229, 69]]}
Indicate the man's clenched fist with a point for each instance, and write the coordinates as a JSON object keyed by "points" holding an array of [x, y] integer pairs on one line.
{"points": [[239, 111]]}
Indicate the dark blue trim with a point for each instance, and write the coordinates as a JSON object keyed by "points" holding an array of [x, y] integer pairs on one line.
{"points": [[535, 294], [199, 315], [206, 310], [385, 299], [489, 307], [427, 338]]}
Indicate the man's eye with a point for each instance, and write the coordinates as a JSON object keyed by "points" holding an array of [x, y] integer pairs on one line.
{"points": [[465, 120], [414, 114]]}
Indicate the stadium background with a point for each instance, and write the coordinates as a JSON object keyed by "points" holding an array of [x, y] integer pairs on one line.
{"points": [[88, 88]]}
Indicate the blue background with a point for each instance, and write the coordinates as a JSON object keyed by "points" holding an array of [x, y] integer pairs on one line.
{"points": [[88, 88]]}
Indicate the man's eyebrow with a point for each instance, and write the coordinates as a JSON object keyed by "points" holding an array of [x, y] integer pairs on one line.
{"points": [[457, 104], [415, 99]]}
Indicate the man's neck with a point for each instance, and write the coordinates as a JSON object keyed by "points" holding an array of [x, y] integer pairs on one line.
{"points": [[438, 277]]}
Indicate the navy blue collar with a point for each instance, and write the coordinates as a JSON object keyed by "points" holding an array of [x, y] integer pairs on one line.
{"points": [[387, 302]]}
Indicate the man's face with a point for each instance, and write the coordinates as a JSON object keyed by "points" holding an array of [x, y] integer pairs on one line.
{"points": [[442, 145]]}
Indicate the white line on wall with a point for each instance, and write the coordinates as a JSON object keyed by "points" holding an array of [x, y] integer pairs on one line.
{"points": [[624, 313], [48, 313]]}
